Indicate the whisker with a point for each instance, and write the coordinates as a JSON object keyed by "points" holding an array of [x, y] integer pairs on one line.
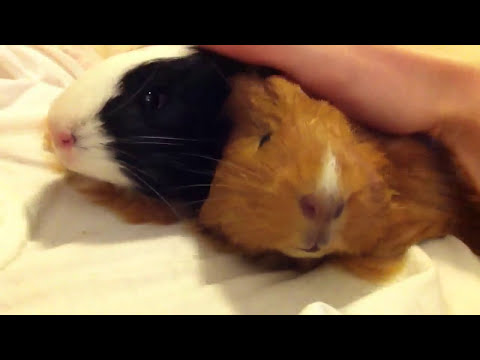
{"points": [[178, 165], [102, 147], [115, 149], [190, 186], [209, 199], [239, 188], [155, 192], [224, 162], [133, 157], [170, 138], [181, 166], [204, 200], [125, 164], [133, 142]]}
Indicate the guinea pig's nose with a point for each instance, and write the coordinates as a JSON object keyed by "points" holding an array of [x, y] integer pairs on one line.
{"points": [[65, 140], [321, 207]]}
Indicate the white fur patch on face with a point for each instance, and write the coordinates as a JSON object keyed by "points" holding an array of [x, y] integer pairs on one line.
{"points": [[328, 180], [94, 160], [76, 111]]}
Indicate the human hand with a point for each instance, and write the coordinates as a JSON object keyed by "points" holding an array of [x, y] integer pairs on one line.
{"points": [[385, 87]]}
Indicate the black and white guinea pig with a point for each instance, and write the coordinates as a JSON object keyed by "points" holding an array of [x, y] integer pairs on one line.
{"points": [[149, 119]]}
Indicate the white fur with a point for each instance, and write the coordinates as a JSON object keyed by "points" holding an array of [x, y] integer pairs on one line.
{"points": [[329, 177], [76, 109]]}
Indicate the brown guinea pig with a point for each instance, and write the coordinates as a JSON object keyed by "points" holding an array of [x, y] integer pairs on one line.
{"points": [[298, 178]]}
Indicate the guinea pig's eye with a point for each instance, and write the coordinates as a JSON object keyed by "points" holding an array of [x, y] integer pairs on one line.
{"points": [[266, 138], [154, 99]]}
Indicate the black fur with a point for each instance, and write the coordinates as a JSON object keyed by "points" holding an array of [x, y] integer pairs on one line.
{"points": [[172, 98]]}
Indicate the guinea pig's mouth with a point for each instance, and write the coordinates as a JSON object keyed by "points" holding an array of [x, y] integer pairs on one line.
{"points": [[315, 241]]}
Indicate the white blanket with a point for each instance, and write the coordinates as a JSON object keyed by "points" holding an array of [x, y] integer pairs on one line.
{"points": [[59, 254]]}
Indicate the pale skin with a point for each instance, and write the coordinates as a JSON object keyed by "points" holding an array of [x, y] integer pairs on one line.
{"points": [[388, 88]]}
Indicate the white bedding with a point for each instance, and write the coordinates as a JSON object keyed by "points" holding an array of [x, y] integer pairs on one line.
{"points": [[60, 254]]}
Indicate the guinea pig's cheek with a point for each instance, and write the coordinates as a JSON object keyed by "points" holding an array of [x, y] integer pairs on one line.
{"points": [[99, 165]]}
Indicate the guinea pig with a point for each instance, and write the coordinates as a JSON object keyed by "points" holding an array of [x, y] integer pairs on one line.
{"points": [[298, 178], [148, 120]]}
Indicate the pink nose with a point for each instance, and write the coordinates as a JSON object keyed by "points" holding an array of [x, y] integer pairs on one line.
{"points": [[65, 140], [318, 207]]}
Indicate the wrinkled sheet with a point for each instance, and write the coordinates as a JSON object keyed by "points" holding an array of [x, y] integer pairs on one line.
{"points": [[60, 254]]}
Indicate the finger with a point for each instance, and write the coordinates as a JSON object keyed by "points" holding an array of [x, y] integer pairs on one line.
{"points": [[266, 55]]}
